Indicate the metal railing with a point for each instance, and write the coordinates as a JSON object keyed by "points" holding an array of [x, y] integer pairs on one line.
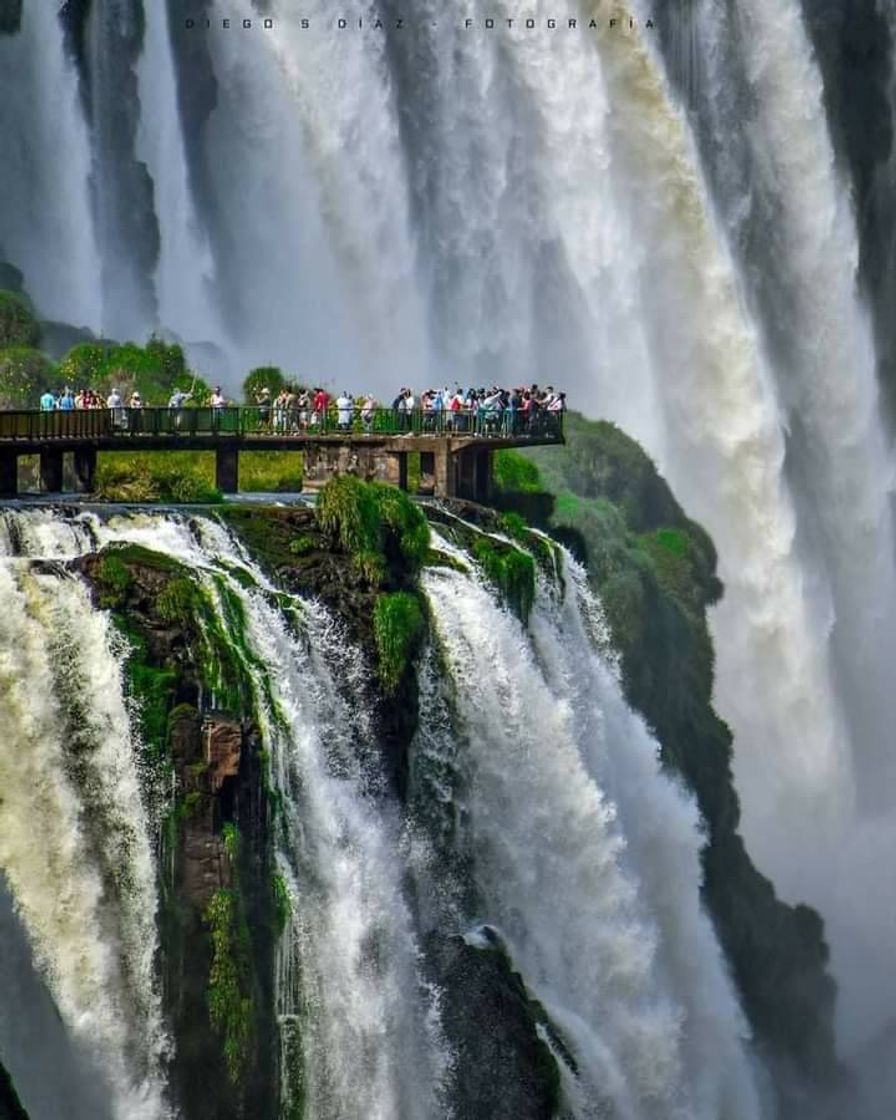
{"points": [[101, 423]]}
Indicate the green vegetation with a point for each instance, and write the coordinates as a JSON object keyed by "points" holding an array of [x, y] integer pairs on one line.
{"points": [[230, 1003], [435, 558], [301, 546], [398, 625], [153, 370], [175, 477], [514, 526], [230, 838], [282, 903], [25, 373], [129, 553], [511, 571], [263, 377], [513, 472], [114, 580], [178, 601], [377, 525], [518, 487], [153, 690], [271, 471], [188, 477], [18, 323]]}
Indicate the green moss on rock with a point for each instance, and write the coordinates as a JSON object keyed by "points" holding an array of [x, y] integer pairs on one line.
{"points": [[377, 525], [510, 570], [398, 624], [230, 1004]]}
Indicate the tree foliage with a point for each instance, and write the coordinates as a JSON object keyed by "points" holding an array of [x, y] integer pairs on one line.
{"points": [[262, 377], [18, 323]]}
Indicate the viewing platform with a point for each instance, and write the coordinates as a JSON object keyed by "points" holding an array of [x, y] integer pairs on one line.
{"points": [[455, 448]]}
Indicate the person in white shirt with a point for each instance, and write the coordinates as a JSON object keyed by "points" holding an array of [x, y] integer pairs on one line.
{"points": [[345, 408], [116, 407]]}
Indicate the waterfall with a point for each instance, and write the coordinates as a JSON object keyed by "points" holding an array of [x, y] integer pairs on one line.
{"points": [[654, 220], [45, 220], [125, 217], [587, 858], [75, 847], [655, 334], [788, 213], [348, 968], [185, 275], [294, 216]]}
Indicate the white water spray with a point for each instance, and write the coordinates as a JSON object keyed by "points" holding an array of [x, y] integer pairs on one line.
{"points": [[600, 906], [185, 275], [46, 227], [74, 838]]}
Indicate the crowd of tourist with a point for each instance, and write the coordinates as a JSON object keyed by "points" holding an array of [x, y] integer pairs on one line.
{"points": [[483, 411], [296, 410]]}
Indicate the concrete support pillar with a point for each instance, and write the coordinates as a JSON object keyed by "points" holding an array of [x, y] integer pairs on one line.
{"points": [[9, 474], [51, 471], [84, 461], [227, 469], [445, 485], [397, 469]]}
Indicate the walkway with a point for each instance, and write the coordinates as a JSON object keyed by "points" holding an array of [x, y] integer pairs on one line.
{"points": [[455, 448]]}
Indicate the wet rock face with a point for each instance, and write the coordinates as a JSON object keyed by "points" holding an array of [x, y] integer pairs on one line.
{"points": [[222, 743], [10, 16], [502, 1070], [206, 753]]}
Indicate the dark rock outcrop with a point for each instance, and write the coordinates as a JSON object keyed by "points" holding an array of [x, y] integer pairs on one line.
{"points": [[502, 1069], [10, 16], [10, 1105]]}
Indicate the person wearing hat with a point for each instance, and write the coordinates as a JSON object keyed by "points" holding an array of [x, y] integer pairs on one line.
{"points": [[135, 404], [263, 400]]}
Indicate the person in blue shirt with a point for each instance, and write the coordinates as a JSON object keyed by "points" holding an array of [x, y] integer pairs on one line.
{"points": [[47, 401], [66, 401]]}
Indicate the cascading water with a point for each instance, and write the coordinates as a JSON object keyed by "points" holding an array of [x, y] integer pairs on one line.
{"points": [[125, 218], [788, 213], [45, 219], [586, 858], [596, 897], [185, 274], [447, 203], [348, 966], [75, 847]]}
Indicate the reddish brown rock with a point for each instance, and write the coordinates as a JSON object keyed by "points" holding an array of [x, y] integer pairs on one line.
{"points": [[222, 744]]}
